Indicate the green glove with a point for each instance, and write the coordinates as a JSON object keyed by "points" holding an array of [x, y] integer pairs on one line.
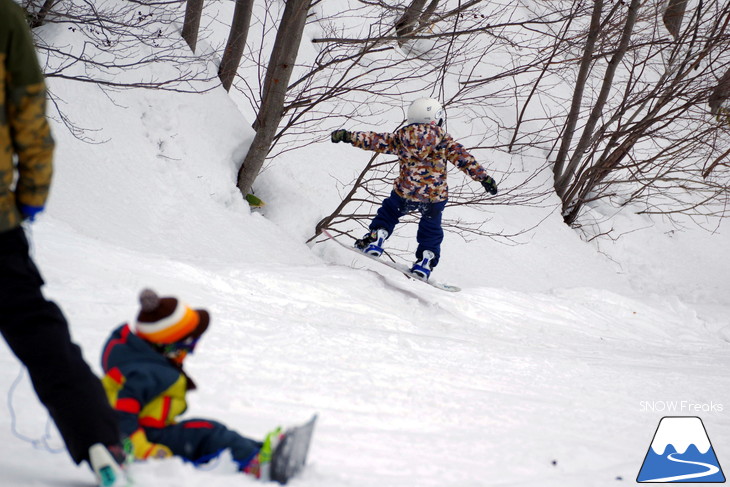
{"points": [[341, 135], [490, 185]]}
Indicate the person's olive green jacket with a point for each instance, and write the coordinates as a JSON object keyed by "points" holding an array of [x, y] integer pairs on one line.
{"points": [[24, 130]]}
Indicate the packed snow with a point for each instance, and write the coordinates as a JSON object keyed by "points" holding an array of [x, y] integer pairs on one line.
{"points": [[552, 367]]}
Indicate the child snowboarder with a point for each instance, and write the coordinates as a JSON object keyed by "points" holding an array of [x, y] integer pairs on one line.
{"points": [[423, 147], [146, 384]]}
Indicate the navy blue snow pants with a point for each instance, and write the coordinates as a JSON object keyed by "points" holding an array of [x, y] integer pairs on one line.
{"points": [[200, 440], [430, 234], [37, 333]]}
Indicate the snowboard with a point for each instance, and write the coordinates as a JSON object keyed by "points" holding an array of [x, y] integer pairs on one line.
{"points": [[290, 454], [403, 269]]}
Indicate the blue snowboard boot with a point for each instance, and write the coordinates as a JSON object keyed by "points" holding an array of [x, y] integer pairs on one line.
{"points": [[372, 243], [422, 268]]}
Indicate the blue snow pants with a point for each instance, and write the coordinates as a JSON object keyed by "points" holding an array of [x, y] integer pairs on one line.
{"points": [[430, 234], [200, 440]]}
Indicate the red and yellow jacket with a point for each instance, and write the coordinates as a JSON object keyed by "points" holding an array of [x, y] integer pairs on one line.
{"points": [[423, 151], [24, 130], [144, 387]]}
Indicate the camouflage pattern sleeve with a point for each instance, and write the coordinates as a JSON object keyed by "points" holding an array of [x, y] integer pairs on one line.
{"points": [[458, 156], [382, 143], [32, 143], [24, 130]]}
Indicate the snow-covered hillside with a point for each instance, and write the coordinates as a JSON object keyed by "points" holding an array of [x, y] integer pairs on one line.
{"points": [[552, 367]]}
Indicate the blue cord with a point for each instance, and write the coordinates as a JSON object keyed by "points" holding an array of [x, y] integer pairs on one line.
{"points": [[38, 444]]}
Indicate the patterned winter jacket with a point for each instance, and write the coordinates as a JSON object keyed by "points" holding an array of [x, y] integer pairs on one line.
{"points": [[422, 151], [23, 126], [145, 388]]}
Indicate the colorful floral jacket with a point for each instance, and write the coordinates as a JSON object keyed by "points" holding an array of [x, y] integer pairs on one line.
{"points": [[23, 126], [144, 387], [423, 151]]}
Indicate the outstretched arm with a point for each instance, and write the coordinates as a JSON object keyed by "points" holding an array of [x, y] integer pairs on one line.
{"points": [[382, 143]]}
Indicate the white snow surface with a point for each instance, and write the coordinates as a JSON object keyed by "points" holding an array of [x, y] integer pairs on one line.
{"points": [[552, 367]]}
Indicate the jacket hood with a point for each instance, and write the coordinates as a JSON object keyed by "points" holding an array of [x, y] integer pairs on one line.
{"points": [[419, 140], [125, 347]]}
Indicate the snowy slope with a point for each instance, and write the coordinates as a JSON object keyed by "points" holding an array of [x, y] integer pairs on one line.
{"points": [[552, 367]]}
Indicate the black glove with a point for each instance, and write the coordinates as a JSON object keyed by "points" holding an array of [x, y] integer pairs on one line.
{"points": [[490, 185], [341, 135]]}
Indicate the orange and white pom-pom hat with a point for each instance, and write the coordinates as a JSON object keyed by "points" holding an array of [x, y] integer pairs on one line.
{"points": [[168, 320]]}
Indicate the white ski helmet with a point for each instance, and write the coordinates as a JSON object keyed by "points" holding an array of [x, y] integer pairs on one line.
{"points": [[425, 110]]}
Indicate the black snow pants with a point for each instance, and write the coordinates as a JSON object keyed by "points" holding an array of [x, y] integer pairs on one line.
{"points": [[37, 332]]}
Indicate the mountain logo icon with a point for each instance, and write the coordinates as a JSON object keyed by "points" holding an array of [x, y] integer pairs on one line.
{"points": [[681, 452]]}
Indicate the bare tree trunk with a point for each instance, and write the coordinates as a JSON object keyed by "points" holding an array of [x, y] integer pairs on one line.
{"points": [[598, 173], [562, 183], [580, 84], [720, 94], [416, 15], [40, 17], [426, 15], [191, 25], [278, 73], [406, 24], [236, 42], [591, 181], [673, 16]]}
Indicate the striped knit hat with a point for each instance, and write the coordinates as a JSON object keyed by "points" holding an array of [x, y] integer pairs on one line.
{"points": [[167, 320]]}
